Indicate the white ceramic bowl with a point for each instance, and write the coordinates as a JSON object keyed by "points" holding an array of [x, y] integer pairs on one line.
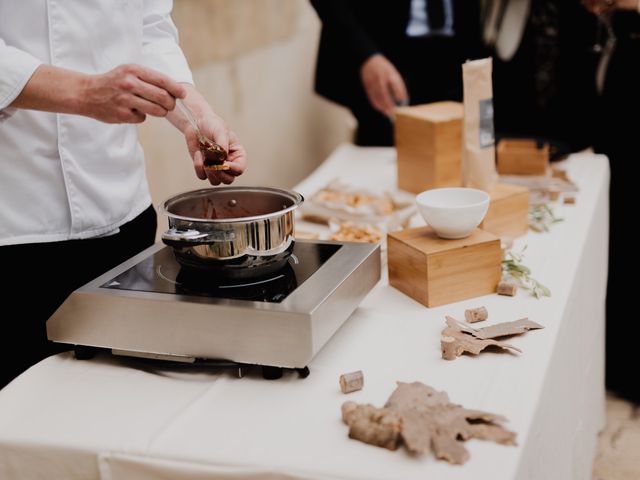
{"points": [[453, 212]]}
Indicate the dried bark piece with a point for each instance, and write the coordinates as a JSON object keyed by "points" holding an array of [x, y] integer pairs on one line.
{"points": [[473, 315], [465, 341], [372, 425], [430, 422], [559, 173], [507, 288], [506, 329], [569, 200], [351, 382]]}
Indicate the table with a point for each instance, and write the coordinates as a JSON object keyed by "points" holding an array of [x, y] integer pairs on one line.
{"points": [[106, 419]]}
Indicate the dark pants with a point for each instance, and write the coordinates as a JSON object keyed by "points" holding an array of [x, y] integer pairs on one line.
{"points": [[618, 139], [36, 278], [432, 70]]}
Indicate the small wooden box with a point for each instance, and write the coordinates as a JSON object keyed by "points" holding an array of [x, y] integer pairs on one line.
{"points": [[435, 271], [522, 157], [429, 145], [508, 213]]}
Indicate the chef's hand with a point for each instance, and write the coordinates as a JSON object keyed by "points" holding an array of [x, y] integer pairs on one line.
{"points": [[383, 83], [213, 127], [125, 94], [128, 93]]}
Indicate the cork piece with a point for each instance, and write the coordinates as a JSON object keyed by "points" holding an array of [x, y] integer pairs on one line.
{"points": [[449, 347], [430, 422], [554, 194], [507, 288], [506, 329], [473, 315], [457, 339], [569, 200], [506, 242], [376, 426], [351, 382]]}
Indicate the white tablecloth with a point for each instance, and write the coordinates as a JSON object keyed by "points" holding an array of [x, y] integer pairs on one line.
{"points": [[108, 419]]}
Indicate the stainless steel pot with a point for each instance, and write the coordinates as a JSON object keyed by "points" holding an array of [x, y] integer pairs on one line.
{"points": [[239, 231]]}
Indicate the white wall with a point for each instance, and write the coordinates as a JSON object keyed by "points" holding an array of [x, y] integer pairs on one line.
{"points": [[261, 83]]}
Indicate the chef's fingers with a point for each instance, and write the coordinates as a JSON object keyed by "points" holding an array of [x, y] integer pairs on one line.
{"points": [[154, 94], [128, 115], [225, 177], [191, 137], [213, 177], [198, 165], [214, 127], [158, 79], [146, 107], [237, 158]]}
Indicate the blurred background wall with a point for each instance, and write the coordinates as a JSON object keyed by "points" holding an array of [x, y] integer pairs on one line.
{"points": [[254, 61]]}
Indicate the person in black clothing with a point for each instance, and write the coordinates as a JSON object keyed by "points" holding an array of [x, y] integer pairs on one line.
{"points": [[375, 55], [545, 89], [617, 137]]}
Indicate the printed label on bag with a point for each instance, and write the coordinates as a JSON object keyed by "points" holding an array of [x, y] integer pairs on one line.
{"points": [[487, 136]]}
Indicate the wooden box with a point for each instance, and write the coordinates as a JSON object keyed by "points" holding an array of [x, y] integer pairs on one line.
{"points": [[435, 271], [522, 157], [508, 214], [429, 145]]}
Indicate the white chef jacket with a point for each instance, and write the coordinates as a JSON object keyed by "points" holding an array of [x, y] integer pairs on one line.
{"points": [[67, 176]]}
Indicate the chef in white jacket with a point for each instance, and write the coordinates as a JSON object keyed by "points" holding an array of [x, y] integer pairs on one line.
{"points": [[75, 78]]}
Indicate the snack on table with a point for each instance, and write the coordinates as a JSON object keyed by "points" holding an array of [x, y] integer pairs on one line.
{"points": [[350, 232], [389, 210], [378, 205]]}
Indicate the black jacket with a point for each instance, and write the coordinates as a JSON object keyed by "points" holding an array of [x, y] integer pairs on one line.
{"points": [[353, 30]]}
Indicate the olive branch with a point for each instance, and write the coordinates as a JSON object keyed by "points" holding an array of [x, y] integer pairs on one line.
{"points": [[512, 267], [541, 217]]}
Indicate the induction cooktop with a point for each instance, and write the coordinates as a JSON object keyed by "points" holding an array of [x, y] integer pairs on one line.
{"points": [[151, 307], [160, 272]]}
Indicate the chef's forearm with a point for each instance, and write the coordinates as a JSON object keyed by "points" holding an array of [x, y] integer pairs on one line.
{"points": [[52, 89]]}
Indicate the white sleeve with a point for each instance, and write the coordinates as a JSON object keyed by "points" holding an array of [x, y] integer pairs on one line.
{"points": [[160, 48], [16, 68]]}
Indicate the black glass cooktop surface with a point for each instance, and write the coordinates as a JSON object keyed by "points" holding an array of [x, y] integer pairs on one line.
{"points": [[161, 273]]}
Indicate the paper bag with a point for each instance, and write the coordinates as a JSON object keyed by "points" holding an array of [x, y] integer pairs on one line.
{"points": [[478, 146]]}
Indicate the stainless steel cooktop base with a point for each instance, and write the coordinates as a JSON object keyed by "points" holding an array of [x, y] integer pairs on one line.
{"points": [[185, 327]]}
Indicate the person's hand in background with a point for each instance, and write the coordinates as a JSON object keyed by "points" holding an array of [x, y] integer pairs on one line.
{"points": [[213, 127], [383, 83], [603, 6]]}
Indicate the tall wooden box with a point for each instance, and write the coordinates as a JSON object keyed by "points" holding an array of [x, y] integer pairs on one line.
{"points": [[508, 214], [429, 145], [522, 157], [435, 271]]}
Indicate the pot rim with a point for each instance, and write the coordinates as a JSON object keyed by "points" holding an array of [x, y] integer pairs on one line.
{"points": [[296, 197]]}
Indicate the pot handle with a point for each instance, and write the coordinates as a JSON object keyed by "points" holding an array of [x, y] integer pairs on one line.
{"points": [[175, 237], [178, 238]]}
